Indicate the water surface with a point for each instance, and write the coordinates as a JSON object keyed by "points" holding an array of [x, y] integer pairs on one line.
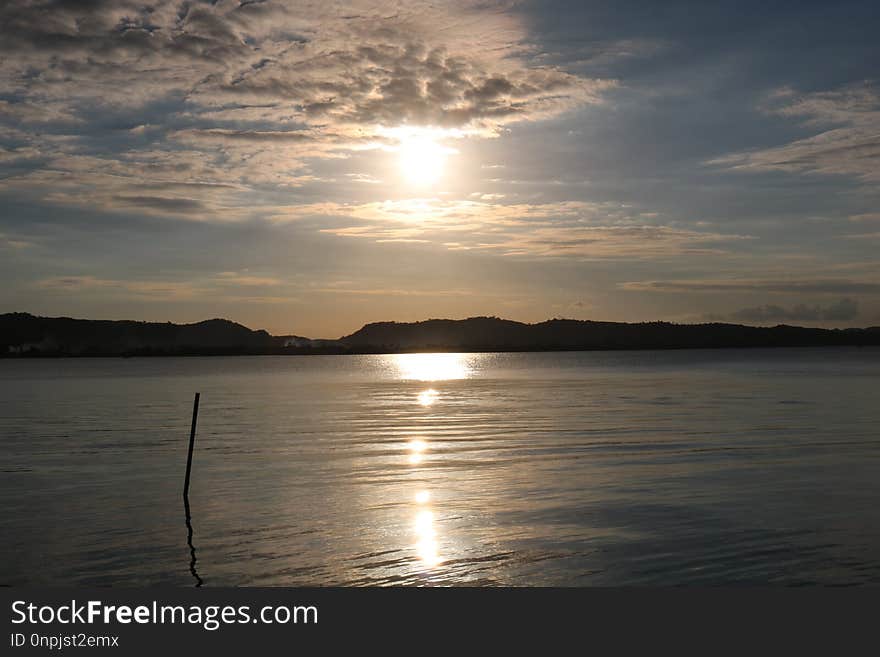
{"points": [[580, 469]]}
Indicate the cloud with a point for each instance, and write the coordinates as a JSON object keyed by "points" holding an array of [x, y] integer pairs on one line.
{"points": [[161, 203], [402, 82], [862, 236], [843, 309], [848, 142], [223, 284], [866, 216], [136, 288], [25, 112], [246, 280], [391, 292], [814, 286], [181, 184], [18, 155], [114, 105], [573, 229], [12, 243]]}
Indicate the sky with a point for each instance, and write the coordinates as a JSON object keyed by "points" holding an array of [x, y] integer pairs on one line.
{"points": [[308, 167]]}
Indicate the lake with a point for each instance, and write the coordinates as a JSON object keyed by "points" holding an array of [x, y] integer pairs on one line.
{"points": [[692, 467]]}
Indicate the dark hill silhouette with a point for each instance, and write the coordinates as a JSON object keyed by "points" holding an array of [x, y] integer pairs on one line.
{"points": [[22, 334], [492, 333]]}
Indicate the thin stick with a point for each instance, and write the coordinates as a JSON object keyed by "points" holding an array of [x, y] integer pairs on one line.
{"points": [[189, 456]]}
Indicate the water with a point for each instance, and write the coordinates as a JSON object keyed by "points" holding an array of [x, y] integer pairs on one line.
{"points": [[636, 468]]}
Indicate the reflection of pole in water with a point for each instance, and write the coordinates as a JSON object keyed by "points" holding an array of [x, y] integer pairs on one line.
{"points": [[189, 540], [189, 528]]}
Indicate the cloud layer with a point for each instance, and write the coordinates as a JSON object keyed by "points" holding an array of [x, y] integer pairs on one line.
{"points": [[193, 109], [845, 309]]}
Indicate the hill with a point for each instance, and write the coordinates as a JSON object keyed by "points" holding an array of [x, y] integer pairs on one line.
{"points": [[22, 334], [493, 334]]}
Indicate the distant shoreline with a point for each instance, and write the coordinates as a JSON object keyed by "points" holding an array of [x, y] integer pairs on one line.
{"points": [[28, 336], [445, 350]]}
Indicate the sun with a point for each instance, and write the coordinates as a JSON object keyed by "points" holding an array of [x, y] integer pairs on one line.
{"points": [[422, 151], [422, 160]]}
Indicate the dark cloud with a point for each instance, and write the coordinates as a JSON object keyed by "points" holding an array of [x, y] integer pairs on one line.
{"points": [[161, 203], [830, 286], [221, 135], [373, 68], [842, 310], [404, 83]]}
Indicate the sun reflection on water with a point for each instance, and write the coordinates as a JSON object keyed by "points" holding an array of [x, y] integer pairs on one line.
{"points": [[417, 449], [428, 367], [432, 367], [428, 397], [426, 543]]}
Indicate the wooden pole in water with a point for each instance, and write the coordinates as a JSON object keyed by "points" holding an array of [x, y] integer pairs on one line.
{"points": [[189, 456], [189, 460]]}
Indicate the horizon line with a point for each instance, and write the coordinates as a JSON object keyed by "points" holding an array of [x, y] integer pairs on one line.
{"points": [[446, 319]]}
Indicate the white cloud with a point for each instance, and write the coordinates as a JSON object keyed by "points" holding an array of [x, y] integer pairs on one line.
{"points": [[563, 229]]}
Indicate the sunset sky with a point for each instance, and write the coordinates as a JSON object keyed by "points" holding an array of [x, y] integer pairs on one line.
{"points": [[307, 167]]}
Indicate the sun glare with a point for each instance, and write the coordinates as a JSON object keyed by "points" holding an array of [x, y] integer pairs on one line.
{"points": [[422, 160], [421, 152]]}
